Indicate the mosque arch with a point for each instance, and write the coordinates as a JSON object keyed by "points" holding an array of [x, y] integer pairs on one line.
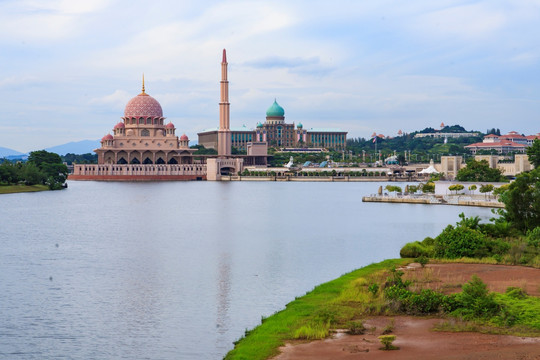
{"points": [[147, 155], [121, 157], [172, 161], [147, 161], [134, 157], [160, 161], [108, 157]]}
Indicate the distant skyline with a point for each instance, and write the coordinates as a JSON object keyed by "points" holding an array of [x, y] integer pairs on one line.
{"points": [[68, 67]]}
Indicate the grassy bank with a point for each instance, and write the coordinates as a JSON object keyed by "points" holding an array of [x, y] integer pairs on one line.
{"points": [[10, 189], [379, 289], [312, 315]]}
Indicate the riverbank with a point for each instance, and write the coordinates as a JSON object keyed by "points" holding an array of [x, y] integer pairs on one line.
{"points": [[319, 178], [435, 200], [341, 301], [12, 189]]}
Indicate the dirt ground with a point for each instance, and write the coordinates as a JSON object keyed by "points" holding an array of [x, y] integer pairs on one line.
{"points": [[414, 336]]}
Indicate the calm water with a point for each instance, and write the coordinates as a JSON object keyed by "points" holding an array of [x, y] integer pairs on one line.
{"points": [[179, 270]]}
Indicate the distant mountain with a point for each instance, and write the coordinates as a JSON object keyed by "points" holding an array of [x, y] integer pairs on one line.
{"points": [[8, 152], [76, 147]]}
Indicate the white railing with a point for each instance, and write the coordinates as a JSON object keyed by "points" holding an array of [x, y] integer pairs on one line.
{"points": [[139, 169]]}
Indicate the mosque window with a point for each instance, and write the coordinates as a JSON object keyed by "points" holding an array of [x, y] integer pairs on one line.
{"points": [[145, 132]]}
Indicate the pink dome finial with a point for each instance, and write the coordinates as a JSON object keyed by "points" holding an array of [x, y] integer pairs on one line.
{"points": [[224, 56]]}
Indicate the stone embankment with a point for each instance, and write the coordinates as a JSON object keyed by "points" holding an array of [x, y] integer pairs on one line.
{"points": [[318, 178], [459, 200]]}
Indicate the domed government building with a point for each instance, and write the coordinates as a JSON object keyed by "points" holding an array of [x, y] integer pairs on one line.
{"points": [[143, 146], [276, 132]]}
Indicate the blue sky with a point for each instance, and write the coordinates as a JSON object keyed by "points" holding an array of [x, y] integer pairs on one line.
{"points": [[68, 67]]}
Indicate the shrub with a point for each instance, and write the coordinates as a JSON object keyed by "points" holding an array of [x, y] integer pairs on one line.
{"points": [[415, 250], [460, 242], [373, 288], [356, 328], [498, 229], [516, 293], [497, 247], [471, 222], [533, 237], [476, 301], [422, 260], [387, 341]]}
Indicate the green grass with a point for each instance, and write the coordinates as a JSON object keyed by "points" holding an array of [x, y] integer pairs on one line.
{"points": [[327, 306], [344, 301], [10, 189]]}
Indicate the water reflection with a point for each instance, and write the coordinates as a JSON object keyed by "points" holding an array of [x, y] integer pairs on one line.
{"points": [[224, 288], [180, 270]]}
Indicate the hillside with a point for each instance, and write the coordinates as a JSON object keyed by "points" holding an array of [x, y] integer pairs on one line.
{"points": [[8, 152]]}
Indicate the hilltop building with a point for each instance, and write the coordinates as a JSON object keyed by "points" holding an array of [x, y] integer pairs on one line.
{"points": [[276, 132], [512, 142]]}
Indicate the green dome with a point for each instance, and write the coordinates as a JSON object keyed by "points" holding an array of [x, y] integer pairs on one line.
{"points": [[299, 125], [275, 110], [259, 125]]}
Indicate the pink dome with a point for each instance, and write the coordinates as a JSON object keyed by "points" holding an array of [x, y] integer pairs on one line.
{"points": [[119, 125], [184, 137], [143, 105], [107, 137], [170, 126]]}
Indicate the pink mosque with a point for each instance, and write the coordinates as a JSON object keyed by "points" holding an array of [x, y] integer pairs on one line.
{"points": [[142, 147]]}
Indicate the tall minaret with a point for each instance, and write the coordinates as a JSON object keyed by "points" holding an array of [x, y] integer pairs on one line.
{"points": [[224, 132]]}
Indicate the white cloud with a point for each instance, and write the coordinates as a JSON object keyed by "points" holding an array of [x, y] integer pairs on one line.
{"points": [[42, 21], [117, 100]]}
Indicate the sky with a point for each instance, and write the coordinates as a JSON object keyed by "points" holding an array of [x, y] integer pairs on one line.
{"points": [[68, 67]]}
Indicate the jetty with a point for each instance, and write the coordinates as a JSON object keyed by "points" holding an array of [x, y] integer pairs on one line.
{"points": [[432, 199]]}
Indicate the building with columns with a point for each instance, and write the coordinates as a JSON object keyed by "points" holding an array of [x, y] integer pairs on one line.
{"points": [[143, 147], [276, 132], [142, 137]]}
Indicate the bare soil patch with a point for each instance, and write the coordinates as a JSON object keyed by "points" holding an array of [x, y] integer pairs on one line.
{"points": [[414, 335]]}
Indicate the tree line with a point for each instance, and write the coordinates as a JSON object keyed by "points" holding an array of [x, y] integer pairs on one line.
{"points": [[41, 168]]}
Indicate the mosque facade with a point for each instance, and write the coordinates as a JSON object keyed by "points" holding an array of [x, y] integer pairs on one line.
{"points": [[143, 146], [142, 137]]}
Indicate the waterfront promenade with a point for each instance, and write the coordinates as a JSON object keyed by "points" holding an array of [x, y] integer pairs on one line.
{"points": [[459, 200]]}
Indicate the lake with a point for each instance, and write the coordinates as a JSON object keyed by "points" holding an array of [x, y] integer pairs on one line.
{"points": [[178, 270]]}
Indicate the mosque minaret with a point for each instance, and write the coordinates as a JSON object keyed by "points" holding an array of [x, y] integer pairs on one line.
{"points": [[224, 131]]}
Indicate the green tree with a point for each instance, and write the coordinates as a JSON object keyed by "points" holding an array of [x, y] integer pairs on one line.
{"points": [[486, 188], [44, 157], [473, 188], [479, 171], [10, 173], [456, 188], [534, 153], [393, 188], [51, 166], [32, 175], [522, 201], [428, 187]]}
